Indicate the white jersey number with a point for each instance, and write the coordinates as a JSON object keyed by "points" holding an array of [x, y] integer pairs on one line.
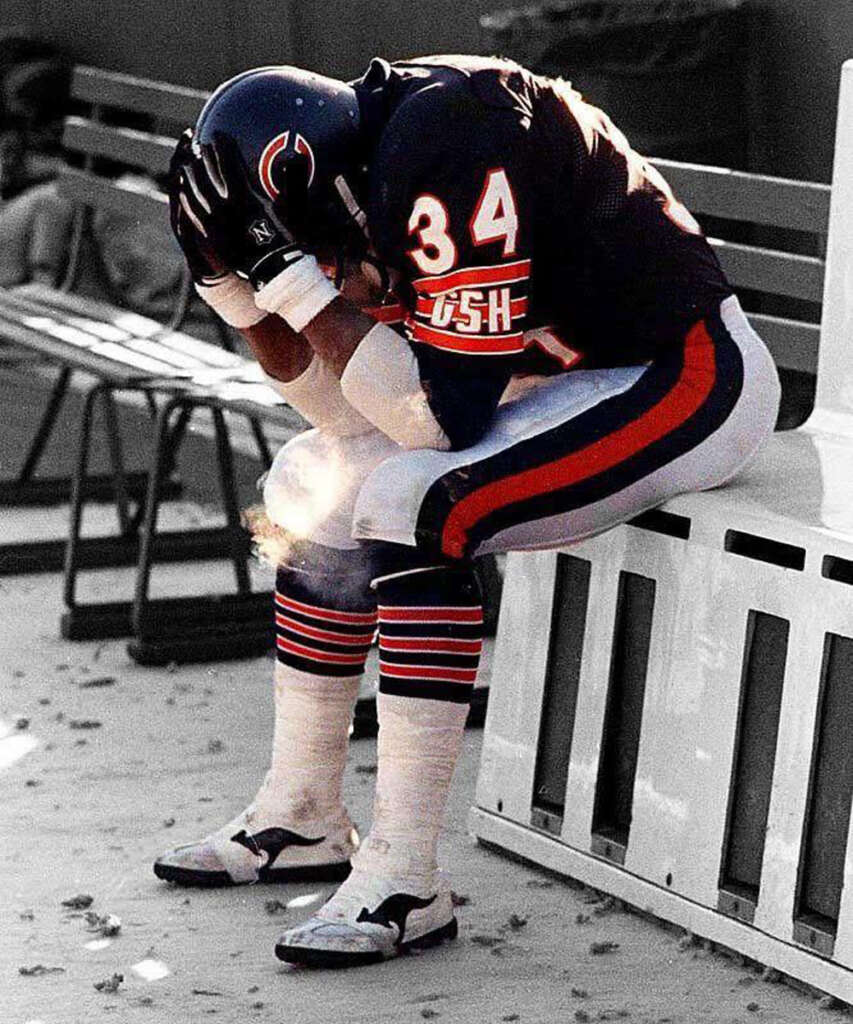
{"points": [[495, 217], [429, 221]]}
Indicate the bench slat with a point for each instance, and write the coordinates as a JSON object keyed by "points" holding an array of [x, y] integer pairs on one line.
{"points": [[175, 103], [124, 145], [793, 343], [770, 270], [755, 198], [102, 193]]}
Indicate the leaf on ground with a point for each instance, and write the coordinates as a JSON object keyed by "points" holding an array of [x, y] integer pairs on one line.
{"points": [[97, 682], [109, 984], [600, 948], [79, 902]]}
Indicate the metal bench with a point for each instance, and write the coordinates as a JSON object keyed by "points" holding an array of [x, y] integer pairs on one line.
{"points": [[174, 373], [669, 717]]}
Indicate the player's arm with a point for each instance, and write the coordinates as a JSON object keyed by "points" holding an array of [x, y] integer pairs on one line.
{"points": [[293, 367]]}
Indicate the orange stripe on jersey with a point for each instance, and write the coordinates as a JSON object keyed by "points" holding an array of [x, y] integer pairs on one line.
{"points": [[389, 314], [424, 306], [473, 277], [471, 344], [687, 395]]}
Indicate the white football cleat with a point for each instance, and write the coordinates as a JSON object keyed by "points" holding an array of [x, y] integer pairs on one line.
{"points": [[372, 919], [243, 852]]}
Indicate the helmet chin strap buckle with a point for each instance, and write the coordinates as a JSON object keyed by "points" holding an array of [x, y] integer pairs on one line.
{"points": [[349, 201]]}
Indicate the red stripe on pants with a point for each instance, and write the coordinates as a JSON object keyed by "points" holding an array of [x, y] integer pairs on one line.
{"points": [[689, 392]]}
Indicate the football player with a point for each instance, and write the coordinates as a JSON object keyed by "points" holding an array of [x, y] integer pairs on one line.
{"points": [[568, 354]]}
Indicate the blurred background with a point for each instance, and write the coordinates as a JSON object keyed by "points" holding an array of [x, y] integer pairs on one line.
{"points": [[762, 92]]}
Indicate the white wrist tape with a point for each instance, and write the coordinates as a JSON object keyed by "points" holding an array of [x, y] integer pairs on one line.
{"points": [[382, 381], [298, 293], [233, 299], [316, 395]]}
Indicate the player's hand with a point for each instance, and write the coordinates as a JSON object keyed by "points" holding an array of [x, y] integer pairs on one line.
{"points": [[239, 221], [206, 266]]}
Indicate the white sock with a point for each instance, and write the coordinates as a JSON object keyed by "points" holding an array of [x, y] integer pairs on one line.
{"points": [[312, 720], [419, 744]]}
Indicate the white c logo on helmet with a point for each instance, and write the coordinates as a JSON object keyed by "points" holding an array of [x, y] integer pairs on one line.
{"points": [[271, 151]]}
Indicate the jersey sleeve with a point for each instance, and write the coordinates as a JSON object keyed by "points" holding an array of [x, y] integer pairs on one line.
{"points": [[451, 211]]}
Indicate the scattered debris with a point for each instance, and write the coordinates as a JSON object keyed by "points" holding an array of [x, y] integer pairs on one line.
{"points": [[32, 783], [487, 941], [172, 667], [84, 723], [168, 822], [145, 1001], [582, 918], [22, 724], [257, 1006], [97, 682], [275, 907], [109, 984], [205, 992], [511, 1016], [215, 746], [458, 899], [27, 915], [253, 989], [540, 883], [108, 926], [428, 1013], [81, 743], [38, 970], [79, 902], [170, 701], [580, 993], [607, 906], [44, 701], [366, 769], [59, 716], [771, 975], [62, 667], [582, 1016], [688, 941], [516, 923], [18, 673], [600, 948], [753, 1007], [830, 1003]]}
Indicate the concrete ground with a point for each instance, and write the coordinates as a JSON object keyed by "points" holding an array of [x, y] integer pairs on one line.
{"points": [[103, 764]]}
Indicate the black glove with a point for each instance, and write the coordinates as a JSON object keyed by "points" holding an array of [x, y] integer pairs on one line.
{"points": [[235, 219], [206, 266]]}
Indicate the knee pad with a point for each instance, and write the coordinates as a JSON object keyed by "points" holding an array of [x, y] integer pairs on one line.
{"points": [[311, 487]]}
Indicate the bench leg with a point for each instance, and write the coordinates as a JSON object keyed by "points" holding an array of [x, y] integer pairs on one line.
{"points": [[46, 425], [230, 503], [200, 628], [261, 442]]}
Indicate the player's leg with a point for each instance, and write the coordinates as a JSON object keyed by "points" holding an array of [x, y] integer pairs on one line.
{"points": [[430, 636], [587, 451], [296, 826]]}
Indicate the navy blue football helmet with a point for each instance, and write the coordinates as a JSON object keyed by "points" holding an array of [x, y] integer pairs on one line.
{"points": [[294, 138]]}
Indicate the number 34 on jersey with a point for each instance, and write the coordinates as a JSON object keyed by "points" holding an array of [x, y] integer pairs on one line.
{"points": [[473, 309]]}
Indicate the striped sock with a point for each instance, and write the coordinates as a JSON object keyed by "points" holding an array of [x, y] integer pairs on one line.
{"points": [[322, 640], [430, 635]]}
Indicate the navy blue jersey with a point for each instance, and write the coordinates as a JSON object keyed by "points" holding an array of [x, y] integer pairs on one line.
{"points": [[529, 236]]}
